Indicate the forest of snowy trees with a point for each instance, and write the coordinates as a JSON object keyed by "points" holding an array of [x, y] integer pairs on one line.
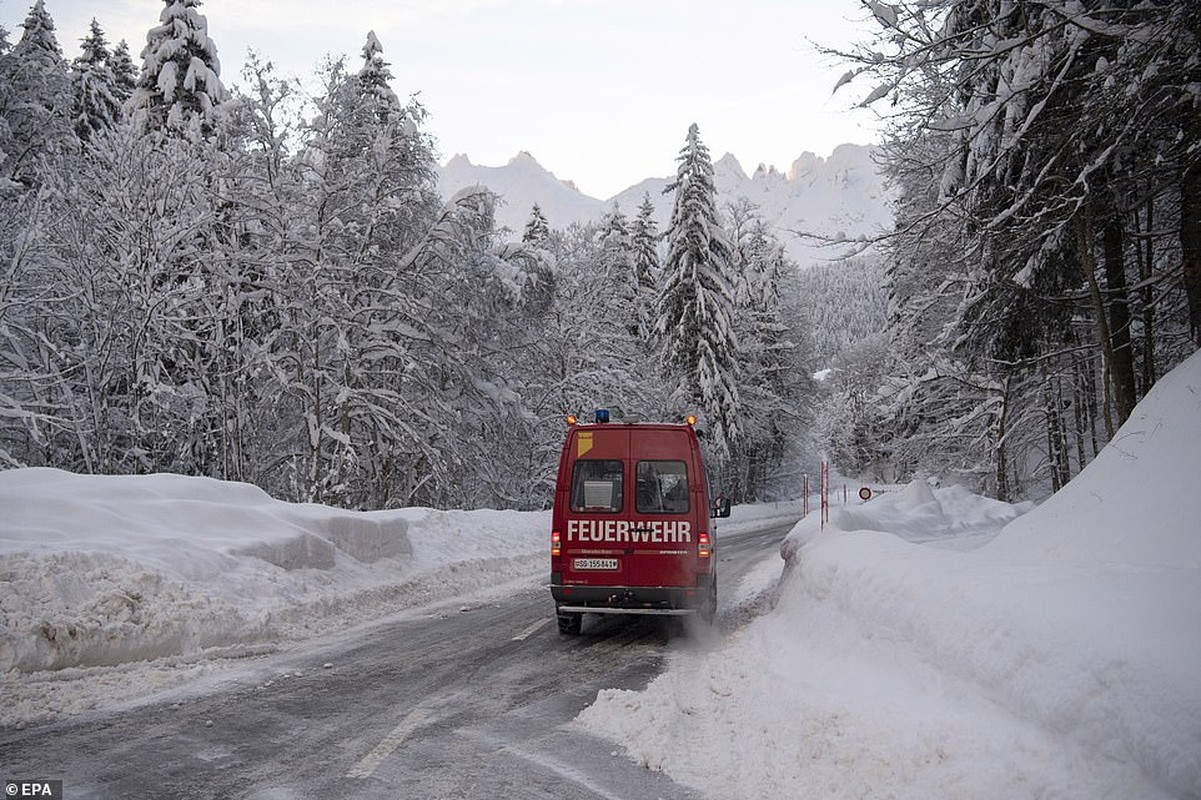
{"points": [[1046, 264], [255, 285]]}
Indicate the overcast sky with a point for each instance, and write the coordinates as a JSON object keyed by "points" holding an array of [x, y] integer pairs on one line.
{"points": [[600, 92]]}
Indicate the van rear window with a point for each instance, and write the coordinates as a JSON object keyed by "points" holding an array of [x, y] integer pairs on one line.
{"points": [[596, 485], [662, 487]]}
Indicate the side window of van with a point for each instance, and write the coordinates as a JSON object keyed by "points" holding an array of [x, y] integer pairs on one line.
{"points": [[662, 487], [596, 486]]}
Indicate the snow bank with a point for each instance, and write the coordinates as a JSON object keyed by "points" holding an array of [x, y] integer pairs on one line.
{"points": [[101, 570], [913, 653], [950, 516]]}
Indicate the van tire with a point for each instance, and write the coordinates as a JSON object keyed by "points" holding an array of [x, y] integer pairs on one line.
{"points": [[708, 607], [569, 624]]}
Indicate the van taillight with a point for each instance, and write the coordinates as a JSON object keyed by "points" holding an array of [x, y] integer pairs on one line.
{"points": [[702, 545], [555, 545]]}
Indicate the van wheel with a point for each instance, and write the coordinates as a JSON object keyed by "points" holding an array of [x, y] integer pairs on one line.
{"points": [[569, 624], [708, 607]]}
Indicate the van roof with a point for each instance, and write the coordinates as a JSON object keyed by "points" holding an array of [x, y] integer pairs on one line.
{"points": [[639, 424]]}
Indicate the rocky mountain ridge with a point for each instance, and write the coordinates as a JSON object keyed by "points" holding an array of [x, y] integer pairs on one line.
{"points": [[842, 196]]}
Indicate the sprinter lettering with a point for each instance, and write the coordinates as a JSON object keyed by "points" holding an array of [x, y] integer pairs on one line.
{"points": [[621, 531]]}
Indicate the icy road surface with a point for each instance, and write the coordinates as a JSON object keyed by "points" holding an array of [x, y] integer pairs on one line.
{"points": [[457, 700]]}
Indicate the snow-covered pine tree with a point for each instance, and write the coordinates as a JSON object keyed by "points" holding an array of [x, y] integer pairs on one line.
{"points": [[98, 96], [5, 100], [537, 242], [179, 100], [124, 72], [537, 230], [768, 379], [35, 102], [620, 274], [180, 87], [374, 83], [696, 298], [644, 240]]}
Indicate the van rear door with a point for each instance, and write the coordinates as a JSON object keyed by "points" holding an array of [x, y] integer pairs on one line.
{"points": [[595, 506], [663, 518]]}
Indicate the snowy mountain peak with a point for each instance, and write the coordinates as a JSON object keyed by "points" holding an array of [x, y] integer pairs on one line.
{"points": [[525, 159], [765, 171], [844, 157], [728, 167], [806, 165]]}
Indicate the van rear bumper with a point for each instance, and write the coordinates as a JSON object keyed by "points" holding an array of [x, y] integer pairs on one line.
{"points": [[628, 599], [658, 612]]}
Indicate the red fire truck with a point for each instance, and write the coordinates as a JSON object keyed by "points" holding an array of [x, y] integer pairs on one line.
{"points": [[632, 527]]}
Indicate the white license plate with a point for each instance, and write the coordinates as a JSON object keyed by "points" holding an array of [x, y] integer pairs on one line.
{"points": [[595, 563]]}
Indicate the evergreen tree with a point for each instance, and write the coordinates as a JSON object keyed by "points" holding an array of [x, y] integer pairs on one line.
{"points": [[125, 74], [537, 230], [180, 87], [35, 101], [98, 97], [355, 220], [696, 299], [537, 245], [588, 357], [644, 241], [5, 102], [377, 100], [617, 267], [768, 372]]}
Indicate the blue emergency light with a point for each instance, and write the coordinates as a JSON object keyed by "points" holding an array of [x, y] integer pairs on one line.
{"points": [[602, 415]]}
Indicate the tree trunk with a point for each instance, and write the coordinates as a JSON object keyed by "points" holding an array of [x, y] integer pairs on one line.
{"points": [[1053, 452], [1001, 463], [1079, 410], [1190, 244], [1146, 264], [1088, 261], [1122, 363]]}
